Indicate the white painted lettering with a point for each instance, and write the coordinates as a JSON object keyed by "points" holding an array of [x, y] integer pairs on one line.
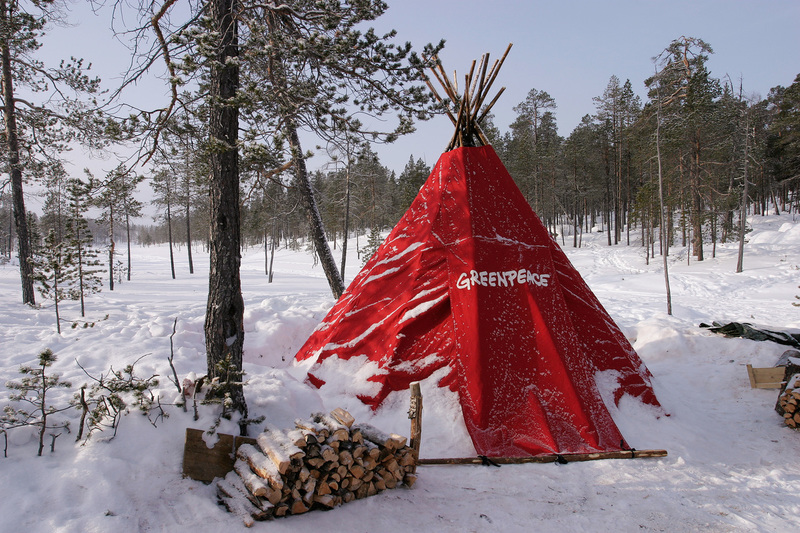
{"points": [[467, 280], [502, 280], [511, 275]]}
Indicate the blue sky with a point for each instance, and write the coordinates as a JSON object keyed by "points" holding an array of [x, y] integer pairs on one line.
{"points": [[571, 48], [568, 48]]}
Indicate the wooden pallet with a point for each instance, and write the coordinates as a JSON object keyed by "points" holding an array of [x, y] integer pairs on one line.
{"points": [[203, 463], [766, 378]]}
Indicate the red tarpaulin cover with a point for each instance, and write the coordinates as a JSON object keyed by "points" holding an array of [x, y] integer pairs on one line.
{"points": [[471, 280]]}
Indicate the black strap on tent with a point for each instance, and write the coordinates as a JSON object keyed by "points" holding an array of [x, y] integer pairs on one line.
{"points": [[625, 448], [488, 462], [560, 459]]}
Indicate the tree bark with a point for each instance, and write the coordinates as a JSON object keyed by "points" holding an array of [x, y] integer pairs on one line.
{"points": [[743, 206], [111, 247], [15, 169], [224, 326], [314, 218], [346, 222], [664, 236], [128, 237], [189, 235], [188, 212], [169, 237]]}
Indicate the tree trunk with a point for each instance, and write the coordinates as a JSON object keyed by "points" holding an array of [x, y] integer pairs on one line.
{"points": [[128, 237], [56, 298], [697, 203], [10, 246], [664, 237], [15, 170], [169, 237], [266, 253], [346, 223], [189, 234], [224, 326], [316, 227], [271, 255], [79, 235], [111, 248], [314, 218], [743, 207]]}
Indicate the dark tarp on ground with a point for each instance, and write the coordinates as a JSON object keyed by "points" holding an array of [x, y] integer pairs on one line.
{"points": [[748, 331]]}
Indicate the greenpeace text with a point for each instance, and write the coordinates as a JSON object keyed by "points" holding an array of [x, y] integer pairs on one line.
{"points": [[501, 279]]}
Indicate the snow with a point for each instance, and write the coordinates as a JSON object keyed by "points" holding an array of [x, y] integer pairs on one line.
{"points": [[731, 463]]}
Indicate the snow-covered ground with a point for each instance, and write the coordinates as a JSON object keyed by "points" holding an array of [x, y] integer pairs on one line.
{"points": [[731, 463]]}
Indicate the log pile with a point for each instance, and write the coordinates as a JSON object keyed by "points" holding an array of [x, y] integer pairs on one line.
{"points": [[323, 462], [788, 403], [791, 414], [789, 397]]}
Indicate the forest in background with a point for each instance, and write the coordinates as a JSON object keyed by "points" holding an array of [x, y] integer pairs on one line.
{"points": [[602, 177]]}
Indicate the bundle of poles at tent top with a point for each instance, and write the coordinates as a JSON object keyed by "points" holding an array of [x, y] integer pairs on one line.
{"points": [[468, 116]]}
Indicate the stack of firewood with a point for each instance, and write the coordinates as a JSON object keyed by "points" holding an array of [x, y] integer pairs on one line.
{"points": [[323, 462], [788, 404]]}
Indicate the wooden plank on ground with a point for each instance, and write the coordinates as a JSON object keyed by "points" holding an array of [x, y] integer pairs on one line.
{"points": [[202, 463], [766, 378]]}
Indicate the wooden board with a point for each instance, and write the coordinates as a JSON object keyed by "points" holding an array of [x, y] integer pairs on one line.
{"points": [[203, 463], [766, 378]]}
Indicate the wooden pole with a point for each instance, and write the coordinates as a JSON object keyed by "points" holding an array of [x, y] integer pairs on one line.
{"points": [[482, 82], [415, 414], [440, 100], [493, 74], [551, 458]]}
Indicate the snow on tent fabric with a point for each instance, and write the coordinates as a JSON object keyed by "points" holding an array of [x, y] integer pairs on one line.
{"points": [[470, 279]]}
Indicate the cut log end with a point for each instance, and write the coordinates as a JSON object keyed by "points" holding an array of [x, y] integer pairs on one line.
{"points": [[322, 463]]}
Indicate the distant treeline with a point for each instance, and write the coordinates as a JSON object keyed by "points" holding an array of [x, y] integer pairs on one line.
{"points": [[704, 134]]}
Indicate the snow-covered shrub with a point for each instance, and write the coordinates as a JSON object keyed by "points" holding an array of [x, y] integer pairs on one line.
{"points": [[29, 403]]}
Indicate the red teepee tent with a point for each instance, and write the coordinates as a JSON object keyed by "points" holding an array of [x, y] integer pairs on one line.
{"points": [[470, 279]]}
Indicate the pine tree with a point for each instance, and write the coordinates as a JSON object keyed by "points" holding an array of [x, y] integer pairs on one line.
{"points": [[314, 69], [32, 391], [84, 266], [688, 100], [373, 243], [182, 174], [411, 179], [40, 127], [533, 133], [52, 272], [115, 197], [584, 176], [163, 184], [784, 132], [617, 110], [55, 209], [307, 65]]}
